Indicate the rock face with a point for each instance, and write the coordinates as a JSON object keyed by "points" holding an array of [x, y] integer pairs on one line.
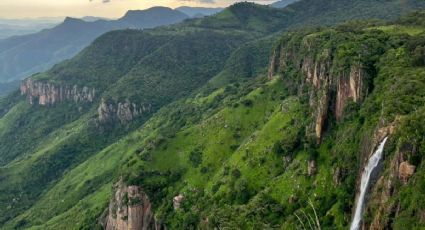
{"points": [[312, 168], [349, 87], [399, 170], [380, 198], [405, 171], [130, 209], [124, 112], [46, 94], [177, 200], [329, 88], [337, 175]]}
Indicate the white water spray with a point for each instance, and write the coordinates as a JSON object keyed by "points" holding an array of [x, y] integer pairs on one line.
{"points": [[371, 165]]}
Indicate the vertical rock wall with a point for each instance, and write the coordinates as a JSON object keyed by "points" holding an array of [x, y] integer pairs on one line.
{"points": [[329, 88], [46, 94], [124, 112], [130, 209]]}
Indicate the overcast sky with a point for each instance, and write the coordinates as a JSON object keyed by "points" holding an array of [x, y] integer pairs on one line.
{"points": [[104, 8]]}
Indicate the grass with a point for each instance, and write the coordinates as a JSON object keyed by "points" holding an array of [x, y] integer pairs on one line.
{"points": [[400, 29]]}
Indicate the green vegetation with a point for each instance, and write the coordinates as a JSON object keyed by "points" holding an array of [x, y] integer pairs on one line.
{"points": [[235, 143]]}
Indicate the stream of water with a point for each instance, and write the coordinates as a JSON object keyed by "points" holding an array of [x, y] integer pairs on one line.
{"points": [[367, 172]]}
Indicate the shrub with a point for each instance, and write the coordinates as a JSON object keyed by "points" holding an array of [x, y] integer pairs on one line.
{"points": [[234, 147], [277, 148], [241, 191], [125, 199], [216, 187], [195, 158], [236, 173], [204, 170], [135, 201], [248, 102]]}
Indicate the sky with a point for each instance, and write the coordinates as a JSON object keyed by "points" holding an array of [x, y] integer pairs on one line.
{"points": [[15, 9]]}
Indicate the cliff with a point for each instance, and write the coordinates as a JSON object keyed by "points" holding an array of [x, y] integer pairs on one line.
{"points": [[397, 173], [46, 94], [130, 209], [124, 112], [315, 69]]}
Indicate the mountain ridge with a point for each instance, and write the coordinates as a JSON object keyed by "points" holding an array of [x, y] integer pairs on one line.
{"points": [[67, 39], [282, 3], [194, 11]]}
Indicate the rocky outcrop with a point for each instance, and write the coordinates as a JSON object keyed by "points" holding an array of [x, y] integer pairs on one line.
{"points": [[329, 88], [317, 75], [349, 87], [130, 209], [124, 112], [312, 168], [177, 200], [405, 171], [337, 176], [46, 94]]}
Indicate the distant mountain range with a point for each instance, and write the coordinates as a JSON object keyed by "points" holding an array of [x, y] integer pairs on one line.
{"points": [[14, 27], [21, 56], [17, 27], [92, 18], [194, 12], [282, 3], [7, 87]]}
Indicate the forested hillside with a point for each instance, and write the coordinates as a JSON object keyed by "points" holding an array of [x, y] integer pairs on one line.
{"points": [[233, 121], [22, 56]]}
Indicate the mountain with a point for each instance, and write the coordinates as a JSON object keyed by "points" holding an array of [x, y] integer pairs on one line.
{"points": [[231, 121], [92, 19], [198, 11], [8, 87], [282, 3], [22, 56], [153, 17], [327, 12], [15, 27]]}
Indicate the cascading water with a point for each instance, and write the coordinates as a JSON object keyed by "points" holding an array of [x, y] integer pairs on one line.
{"points": [[367, 172]]}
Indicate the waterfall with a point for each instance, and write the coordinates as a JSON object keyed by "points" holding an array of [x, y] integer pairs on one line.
{"points": [[370, 166]]}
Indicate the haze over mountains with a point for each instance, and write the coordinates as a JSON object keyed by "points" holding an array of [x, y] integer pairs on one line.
{"points": [[22, 56], [14, 27], [282, 3], [252, 118], [196, 11]]}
